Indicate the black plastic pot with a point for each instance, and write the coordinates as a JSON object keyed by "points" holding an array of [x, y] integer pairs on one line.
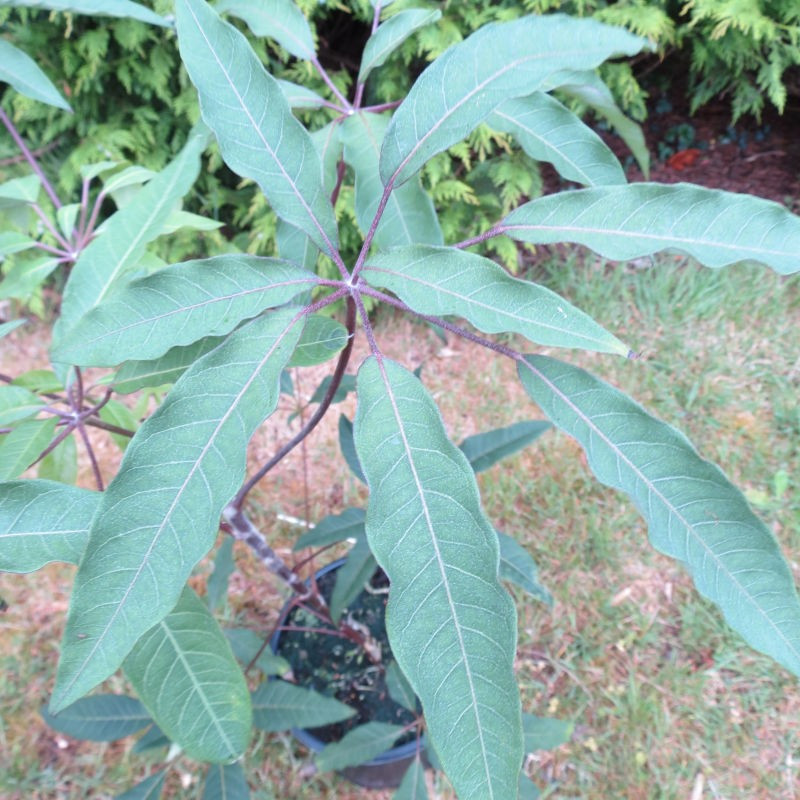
{"points": [[383, 772]]}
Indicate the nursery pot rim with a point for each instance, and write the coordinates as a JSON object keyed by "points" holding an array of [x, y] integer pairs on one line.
{"points": [[401, 752]]}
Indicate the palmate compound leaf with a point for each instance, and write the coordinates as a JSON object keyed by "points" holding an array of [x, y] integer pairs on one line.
{"points": [[101, 267], [693, 512], [184, 672], [444, 280], [160, 515], [108, 8], [548, 131], [496, 63], [20, 71], [179, 305], [409, 215], [451, 624], [43, 521], [257, 134], [623, 222]]}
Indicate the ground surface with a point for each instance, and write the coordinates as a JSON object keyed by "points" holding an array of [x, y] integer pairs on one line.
{"points": [[756, 157]]}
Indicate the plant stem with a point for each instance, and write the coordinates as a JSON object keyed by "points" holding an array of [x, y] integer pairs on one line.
{"points": [[331, 85], [55, 443], [495, 230], [373, 345], [362, 256], [78, 232], [53, 230], [87, 233], [382, 106], [81, 428], [39, 151], [336, 379], [244, 530], [29, 157], [52, 250]]}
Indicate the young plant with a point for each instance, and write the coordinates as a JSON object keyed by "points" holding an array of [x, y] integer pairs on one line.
{"points": [[224, 329]]}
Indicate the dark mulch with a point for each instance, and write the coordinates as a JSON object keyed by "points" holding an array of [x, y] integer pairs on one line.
{"points": [[757, 157]]}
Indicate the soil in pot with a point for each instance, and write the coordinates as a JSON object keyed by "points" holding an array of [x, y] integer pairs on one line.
{"points": [[337, 667]]}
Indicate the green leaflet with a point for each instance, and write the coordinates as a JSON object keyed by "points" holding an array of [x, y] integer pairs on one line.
{"points": [[25, 277], [12, 242], [322, 339], [693, 512], [451, 624], [623, 222], [496, 63], [281, 20], [413, 786], [17, 403], [101, 267], [148, 789], [188, 460], [20, 191], [483, 450], [100, 718], [359, 745], [179, 305], [135, 375], [226, 782], [279, 706], [391, 34], [20, 448], [351, 577], [185, 674], [548, 131], [409, 215], [43, 521], [20, 71], [257, 134], [334, 528], [588, 87], [298, 96], [95, 8], [445, 280], [517, 566], [545, 733]]}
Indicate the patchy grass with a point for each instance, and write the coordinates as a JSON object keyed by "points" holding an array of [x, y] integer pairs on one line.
{"points": [[668, 703]]}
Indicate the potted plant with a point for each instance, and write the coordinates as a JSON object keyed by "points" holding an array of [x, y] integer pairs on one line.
{"points": [[223, 330]]}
